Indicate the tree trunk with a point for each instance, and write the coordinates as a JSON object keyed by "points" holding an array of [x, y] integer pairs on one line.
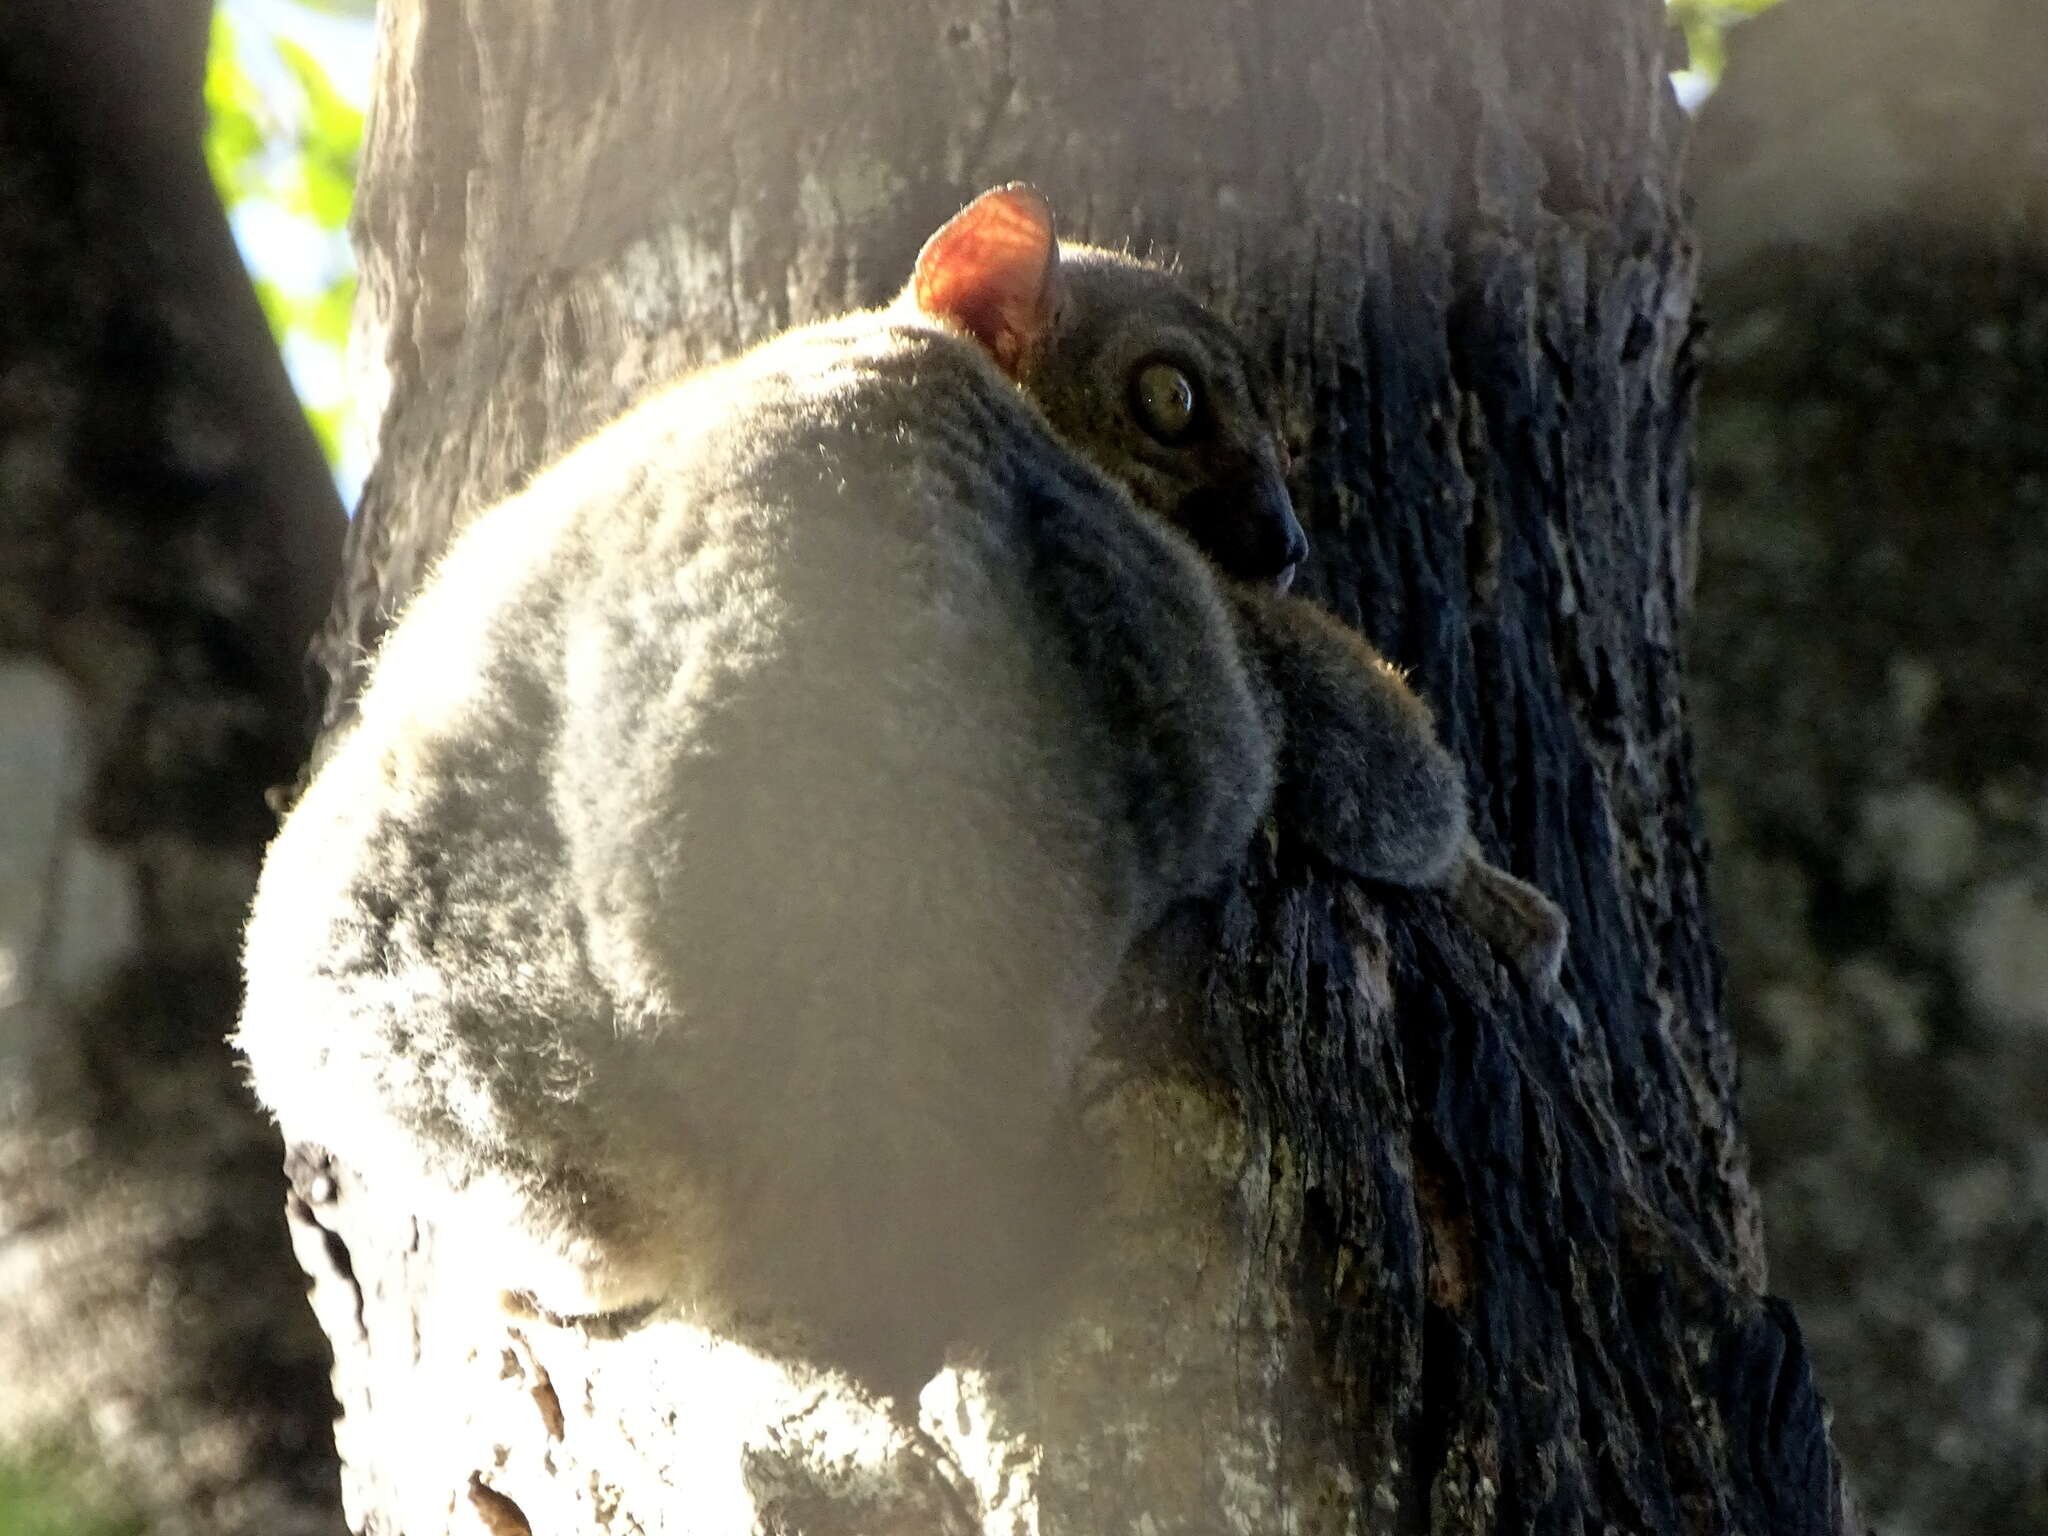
{"points": [[1389, 1244], [170, 536], [1873, 189]]}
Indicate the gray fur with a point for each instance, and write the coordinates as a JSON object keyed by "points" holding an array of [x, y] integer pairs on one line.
{"points": [[1363, 781], [1226, 487], [737, 835], [1361, 776], [743, 824]]}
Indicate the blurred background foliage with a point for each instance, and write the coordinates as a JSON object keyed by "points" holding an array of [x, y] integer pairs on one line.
{"points": [[52, 1494], [286, 86], [286, 82], [1703, 23]]}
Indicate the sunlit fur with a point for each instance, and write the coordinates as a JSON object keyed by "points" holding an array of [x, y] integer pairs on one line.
{"points": [[711, 902], [737, 836]]}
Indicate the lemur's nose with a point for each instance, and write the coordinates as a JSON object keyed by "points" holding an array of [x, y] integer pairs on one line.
{"points": [[1297, 551], [1246, 525]]}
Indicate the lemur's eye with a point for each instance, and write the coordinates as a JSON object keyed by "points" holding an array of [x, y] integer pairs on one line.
{"points": [[1164, 399]]}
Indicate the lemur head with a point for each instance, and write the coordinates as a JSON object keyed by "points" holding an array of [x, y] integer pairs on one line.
{"points": [[1129, 369]]}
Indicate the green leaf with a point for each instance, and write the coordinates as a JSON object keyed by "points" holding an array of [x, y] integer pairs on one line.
{"points": [[236, 133], [326, 317], [296, 148], [330, 135], [329, 422], [1705, 23]]}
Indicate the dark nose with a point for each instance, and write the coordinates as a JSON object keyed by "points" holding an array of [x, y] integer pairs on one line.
{"points": [[1247, 527]]}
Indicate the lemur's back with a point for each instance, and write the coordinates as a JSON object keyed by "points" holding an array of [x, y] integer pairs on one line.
{"points": [[768, 794], [713, 898]]}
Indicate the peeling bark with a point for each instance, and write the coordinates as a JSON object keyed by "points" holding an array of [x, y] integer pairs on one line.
{"points": [[1387, 1243]]}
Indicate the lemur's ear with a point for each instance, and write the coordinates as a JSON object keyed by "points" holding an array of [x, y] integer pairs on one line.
{"points": [[993, 270]]}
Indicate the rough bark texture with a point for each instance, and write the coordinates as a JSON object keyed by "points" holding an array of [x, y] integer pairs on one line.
{"points": [[1873, 187], [168, 535], [1388, 1244]]}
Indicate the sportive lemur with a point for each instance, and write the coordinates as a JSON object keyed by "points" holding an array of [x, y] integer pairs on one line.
{"points": [[740, 828]]}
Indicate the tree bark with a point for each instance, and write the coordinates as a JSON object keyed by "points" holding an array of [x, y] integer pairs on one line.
{"points": [[170, 538], [1388, 1243], [1873, 190]]}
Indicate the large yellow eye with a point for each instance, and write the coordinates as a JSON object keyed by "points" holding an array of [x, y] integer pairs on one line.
{"points": [[1164, 399]]}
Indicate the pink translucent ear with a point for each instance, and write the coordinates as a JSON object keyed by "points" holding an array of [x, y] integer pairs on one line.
{"points": [[993, 270]]}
